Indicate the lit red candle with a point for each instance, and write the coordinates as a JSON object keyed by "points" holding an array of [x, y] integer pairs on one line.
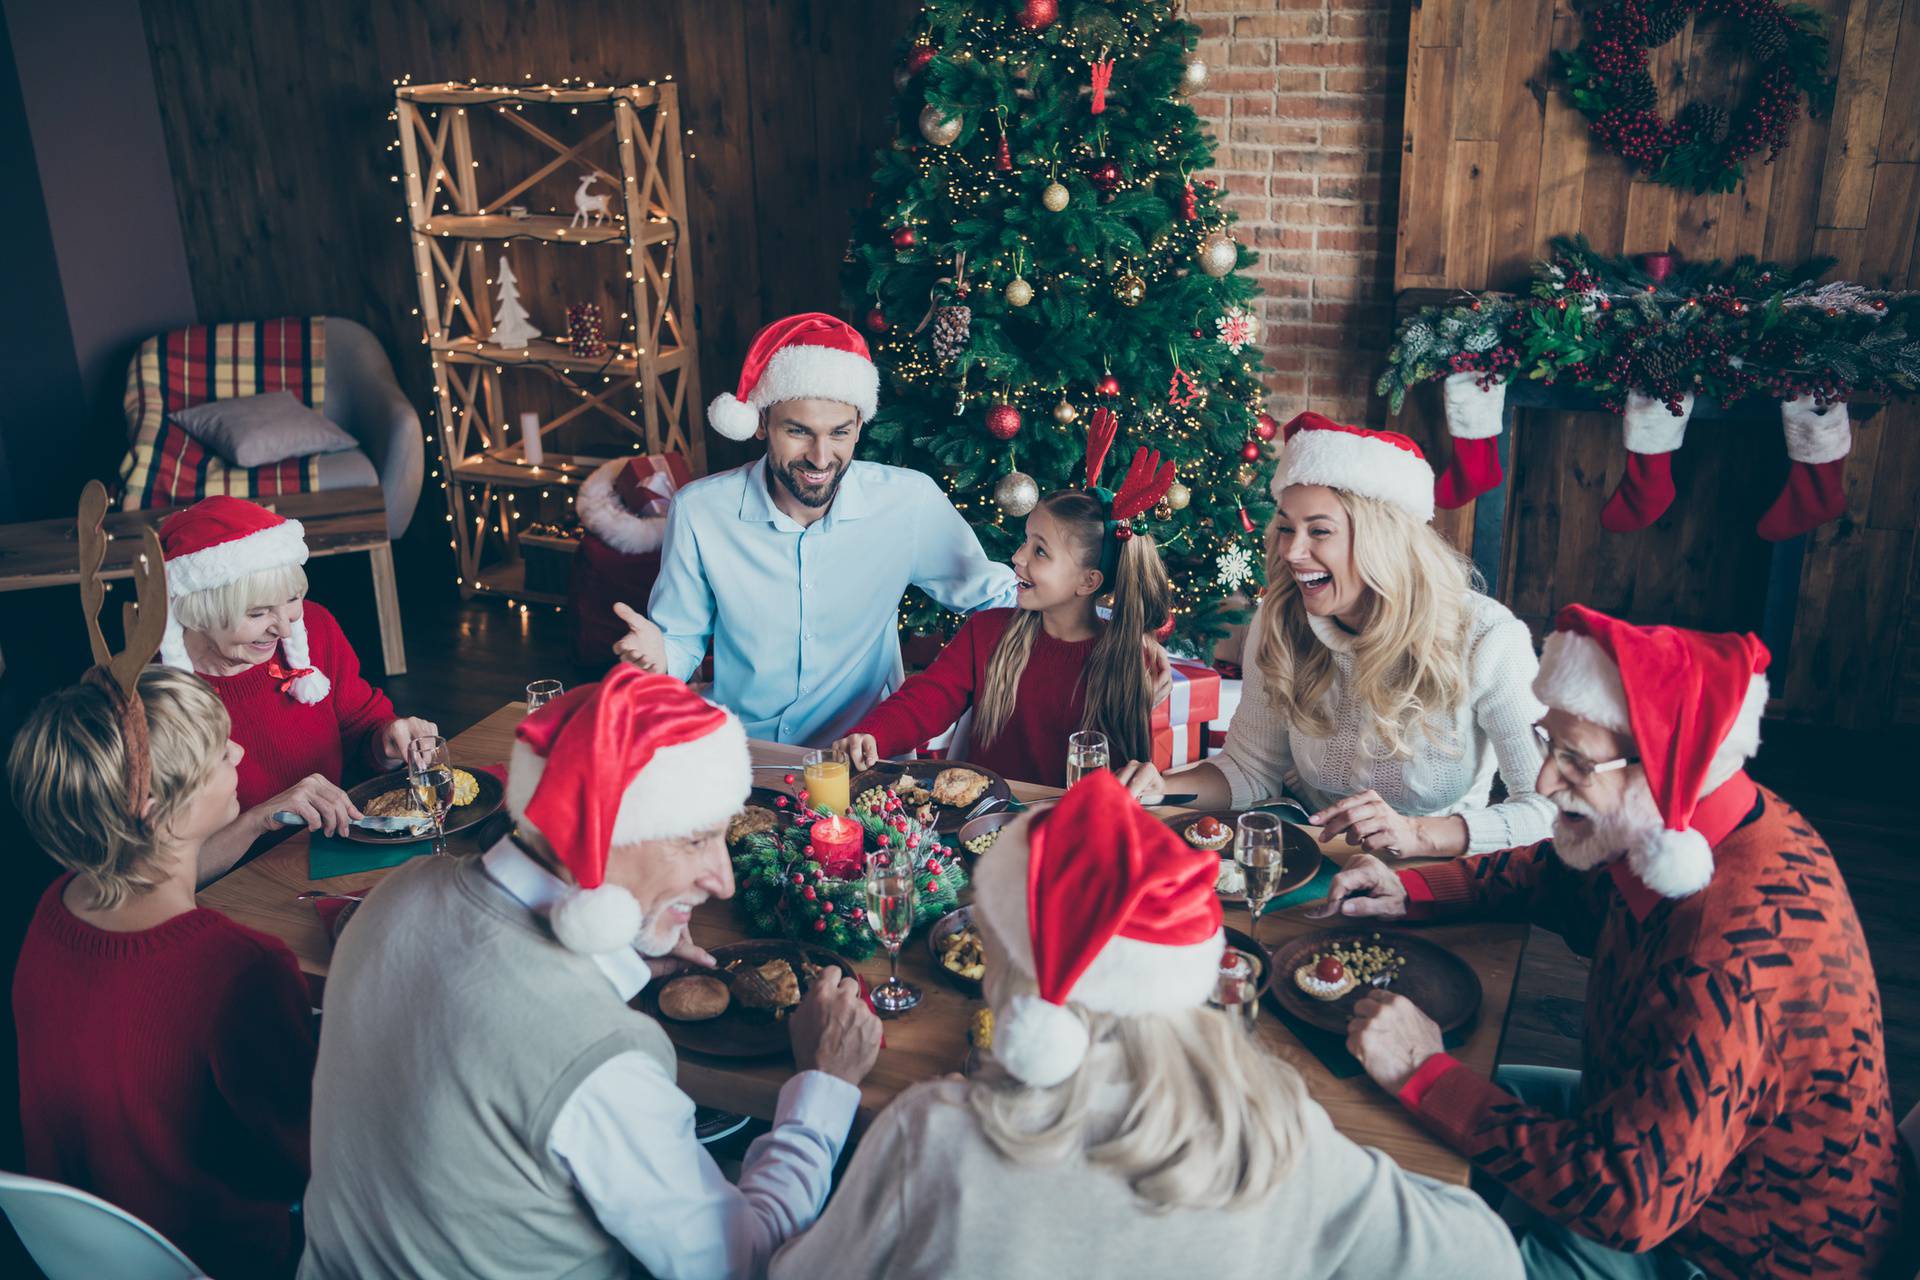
{"points": [[839, 846]]}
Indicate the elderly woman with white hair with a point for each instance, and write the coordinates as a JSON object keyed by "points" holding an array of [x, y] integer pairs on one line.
{"points": [[1123, 1127], [239, 617]]}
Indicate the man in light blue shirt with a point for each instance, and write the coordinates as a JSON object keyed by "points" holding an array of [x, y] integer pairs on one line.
{"points": [[792, 566]]}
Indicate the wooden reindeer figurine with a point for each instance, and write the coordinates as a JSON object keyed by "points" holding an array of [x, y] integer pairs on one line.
{"points": [[145, 617], [584, 204]]}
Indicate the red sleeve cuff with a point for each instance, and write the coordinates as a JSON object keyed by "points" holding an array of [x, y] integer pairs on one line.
{"points": [[1418, 890], [1430, 1071]]}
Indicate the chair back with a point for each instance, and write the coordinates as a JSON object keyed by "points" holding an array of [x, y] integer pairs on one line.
{"points": [[76, 1236]]}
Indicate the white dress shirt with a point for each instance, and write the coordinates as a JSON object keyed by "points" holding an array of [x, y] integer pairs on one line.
{"points": [[626, 1137]]}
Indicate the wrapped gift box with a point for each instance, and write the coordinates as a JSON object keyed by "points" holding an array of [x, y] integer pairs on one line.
{"points": [[1180, 724]]}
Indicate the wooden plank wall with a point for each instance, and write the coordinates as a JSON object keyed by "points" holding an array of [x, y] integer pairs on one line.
{"points": [[1497, 162]]}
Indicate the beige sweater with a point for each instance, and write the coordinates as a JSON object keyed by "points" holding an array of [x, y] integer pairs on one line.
{"points": [[928, 1196]]}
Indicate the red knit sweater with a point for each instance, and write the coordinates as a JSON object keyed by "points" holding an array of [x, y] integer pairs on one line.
{"points": [[169, 1071], [1047, 707], [286, 739], [1734, 1095]]}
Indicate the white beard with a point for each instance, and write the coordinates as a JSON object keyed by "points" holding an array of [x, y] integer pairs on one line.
{"points": [[1604, 836]]}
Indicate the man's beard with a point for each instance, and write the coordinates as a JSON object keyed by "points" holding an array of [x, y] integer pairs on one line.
{"points": [[655, 937], [811, 495], [1604, 836]]}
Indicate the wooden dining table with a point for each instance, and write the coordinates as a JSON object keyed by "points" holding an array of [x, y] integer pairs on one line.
{"points": [[931, 1039]]}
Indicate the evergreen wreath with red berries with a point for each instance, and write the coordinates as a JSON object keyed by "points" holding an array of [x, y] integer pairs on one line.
{"points": [[1705, 147]]}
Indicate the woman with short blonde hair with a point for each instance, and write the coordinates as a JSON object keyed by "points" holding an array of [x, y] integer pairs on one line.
{"points": [[166, 1053], [1120, 1127], [1383, 692]]}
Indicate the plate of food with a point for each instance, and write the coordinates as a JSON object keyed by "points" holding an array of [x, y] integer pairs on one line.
{"points": [[940, 792], [738, 1009], [762, 812], [1320, 976], [959, 953], [981, 834], [1212, 830], [477, 796]]}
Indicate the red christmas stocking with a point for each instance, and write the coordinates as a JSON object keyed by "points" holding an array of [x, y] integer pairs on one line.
{"points": [[1473, 421], [1653, 434], [1818, 442]]}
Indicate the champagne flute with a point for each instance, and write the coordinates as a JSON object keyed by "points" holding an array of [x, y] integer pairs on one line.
{"points": [[1257, 848], [1086, 753], [430, 771], [892, 895], [541, 692], [1236, 988]]}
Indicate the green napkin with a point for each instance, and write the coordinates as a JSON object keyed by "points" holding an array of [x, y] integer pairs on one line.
{"points": [[1312, 891], [329, 856]]}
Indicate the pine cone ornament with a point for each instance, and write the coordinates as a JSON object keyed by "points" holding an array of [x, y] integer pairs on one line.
{"points": [[950, 326], [1663, 23], [1661, 366], [1706, 120], [1767, 39], [1638, 92]]}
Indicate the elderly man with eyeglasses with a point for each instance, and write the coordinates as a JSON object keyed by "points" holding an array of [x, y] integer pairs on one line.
{"points": [[1732, 1116]]}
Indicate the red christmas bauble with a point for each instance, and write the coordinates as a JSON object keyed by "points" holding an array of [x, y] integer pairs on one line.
{"points": [[917, 60], [876, 321], [904, 238], [1108, 386], [820, 926], [1003, 422], [1250, 451], [1038, 15], [1105, 175], [1265, 427]]}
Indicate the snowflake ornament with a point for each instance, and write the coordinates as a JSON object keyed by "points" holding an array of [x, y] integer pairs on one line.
{"points": [[1238, 328], [1236, 567]]}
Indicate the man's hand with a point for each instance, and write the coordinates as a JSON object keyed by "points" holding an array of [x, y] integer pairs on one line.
{"points": [[1143, 780], [685, 952], [1159, 671], [1391, 1038], [833, 1030], [1366, 886], [863, 750], [393, 743], [643, 645], [321, 804]]}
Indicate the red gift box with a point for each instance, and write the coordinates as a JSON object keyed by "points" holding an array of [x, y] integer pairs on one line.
{"points": [[1180, 723]]}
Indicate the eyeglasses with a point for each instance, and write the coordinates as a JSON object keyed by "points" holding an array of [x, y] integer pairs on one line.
{"points": [[1573, 766]]}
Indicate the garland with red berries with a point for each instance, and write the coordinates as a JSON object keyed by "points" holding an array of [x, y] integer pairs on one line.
{"points": [[1705, 147]]}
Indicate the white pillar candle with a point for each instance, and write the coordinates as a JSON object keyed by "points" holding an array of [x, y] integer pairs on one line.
{"points": [[530, 439]]}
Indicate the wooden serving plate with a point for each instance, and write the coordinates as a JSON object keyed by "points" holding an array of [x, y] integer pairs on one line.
{"points": [[1441, 983]]}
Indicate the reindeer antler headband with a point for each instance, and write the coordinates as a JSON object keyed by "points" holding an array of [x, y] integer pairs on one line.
{"points": [[145, 622], [1146, 482]]}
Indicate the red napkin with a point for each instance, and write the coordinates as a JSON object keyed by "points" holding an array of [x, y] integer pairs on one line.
{"points": [[334, 911]]}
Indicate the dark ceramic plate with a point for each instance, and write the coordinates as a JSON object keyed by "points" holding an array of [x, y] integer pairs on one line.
{"points": [[1441, 983], [1301, 854], [738, 1032], [492, 795], [948, 819]]}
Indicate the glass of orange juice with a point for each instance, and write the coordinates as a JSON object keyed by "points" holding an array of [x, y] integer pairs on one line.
{"points": [[828, 780]]}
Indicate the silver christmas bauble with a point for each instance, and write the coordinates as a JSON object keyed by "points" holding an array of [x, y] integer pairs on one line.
{"points": [[938, 127], [1218, 253], [1016, 494], [1019, 292], [1194, 78], [1055, 197]]}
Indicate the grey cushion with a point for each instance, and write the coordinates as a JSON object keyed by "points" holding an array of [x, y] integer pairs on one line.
{"points": [[256, 431], [348, 469]]}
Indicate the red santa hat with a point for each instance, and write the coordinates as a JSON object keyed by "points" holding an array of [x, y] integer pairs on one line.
{"points": [[1104, 908], [1690, 700], [804, 357], [637, 756], [219, 541], [1374, 464]]}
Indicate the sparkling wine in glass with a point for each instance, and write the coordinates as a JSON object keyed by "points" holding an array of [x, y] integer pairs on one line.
{"points": [[892, 896], [1086, 753], [1257, 847], [541, 692], [430, 773]]}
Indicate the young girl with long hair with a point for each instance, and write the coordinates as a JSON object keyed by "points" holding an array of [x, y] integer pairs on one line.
{"points": [[1037, 673]]}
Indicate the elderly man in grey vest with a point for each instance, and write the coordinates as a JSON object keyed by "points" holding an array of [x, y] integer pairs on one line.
{"points": [[487, 1104]]}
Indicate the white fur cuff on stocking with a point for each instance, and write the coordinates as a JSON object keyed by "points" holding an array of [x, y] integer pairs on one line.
{"points": [[1472, 413], [1653, 428], [1814, 436]]}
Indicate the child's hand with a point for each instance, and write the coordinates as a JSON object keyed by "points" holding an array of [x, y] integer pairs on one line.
{"points": [[863, 750], [1143, 780]]}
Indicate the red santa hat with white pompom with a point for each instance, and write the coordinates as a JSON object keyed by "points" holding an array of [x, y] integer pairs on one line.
{"points": [[637, 756], [804, 357], [1103, 907], [1690, 700]]}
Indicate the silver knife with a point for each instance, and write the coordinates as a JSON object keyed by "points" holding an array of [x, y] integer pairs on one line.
{"points": [[385, 826]]}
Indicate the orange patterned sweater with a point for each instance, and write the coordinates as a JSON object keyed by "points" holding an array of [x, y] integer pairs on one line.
{"points": [[1734, 1095]]}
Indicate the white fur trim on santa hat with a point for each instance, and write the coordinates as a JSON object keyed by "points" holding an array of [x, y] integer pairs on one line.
{"points": [[1650, 427], [819, 373], [731, 418], [1039, 1043], [1357, 464], [173, 645], [1473, 411], [1576, 676], [595, 921], [600, 510], [1813, 436], [314, 686], [275, 547], [1674, 864], [683, 789]]}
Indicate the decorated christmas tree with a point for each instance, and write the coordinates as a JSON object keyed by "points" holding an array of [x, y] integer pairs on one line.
{"points": [[1040, 243]]}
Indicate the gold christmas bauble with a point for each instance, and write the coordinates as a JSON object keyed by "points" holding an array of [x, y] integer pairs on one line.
{"points": [[1130, 289], [1019, 292], [1017, 493], [1194, 77], [1055, 197], [1178, 496], [1064, 413], [1163, 511], [937, 127], [1218, 253]]}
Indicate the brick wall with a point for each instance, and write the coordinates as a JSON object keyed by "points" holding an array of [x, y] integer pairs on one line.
{"points": [[1304, 101]]}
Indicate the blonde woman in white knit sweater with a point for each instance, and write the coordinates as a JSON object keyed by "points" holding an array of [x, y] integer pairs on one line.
{"points": [[1382, 692]]}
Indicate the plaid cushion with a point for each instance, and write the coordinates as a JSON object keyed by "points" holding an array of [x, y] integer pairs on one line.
{"points": [[165, 466]]}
